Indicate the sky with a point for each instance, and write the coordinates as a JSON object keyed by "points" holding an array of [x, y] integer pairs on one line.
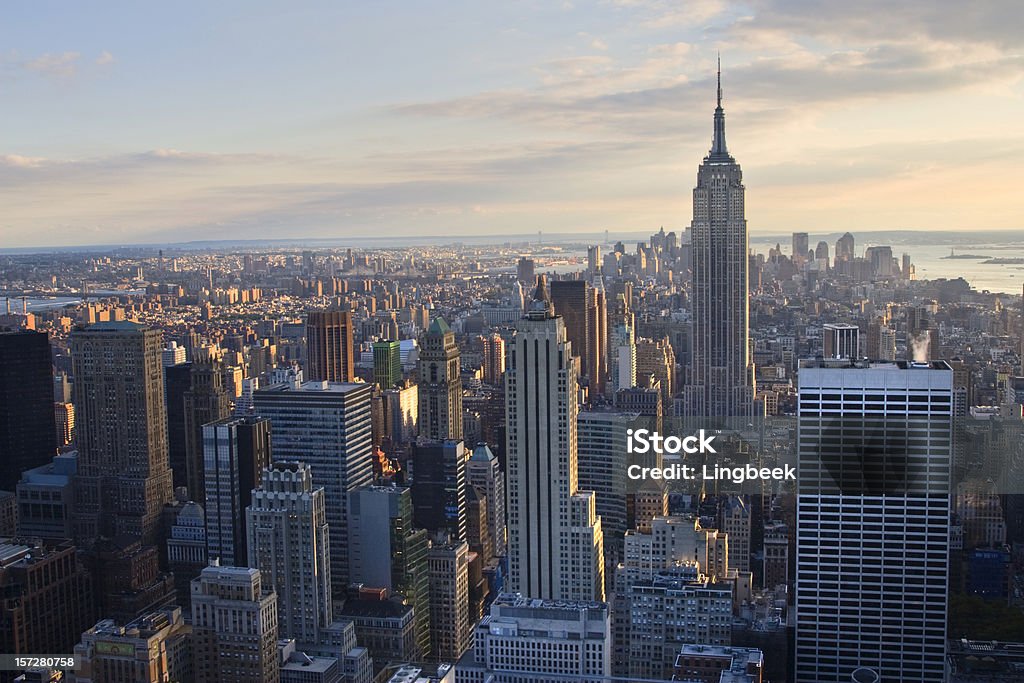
{"points": [[127, 122]]}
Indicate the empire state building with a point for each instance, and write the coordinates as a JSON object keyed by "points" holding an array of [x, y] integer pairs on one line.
{"points": [[721, 376]]}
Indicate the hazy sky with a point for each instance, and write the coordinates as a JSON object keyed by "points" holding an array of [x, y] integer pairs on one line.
{"points": [[148, 122]]}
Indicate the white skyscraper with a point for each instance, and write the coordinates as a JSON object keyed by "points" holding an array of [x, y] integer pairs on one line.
{"points": [[721, 381], [288, 544], [555, 539], [873, 519]]}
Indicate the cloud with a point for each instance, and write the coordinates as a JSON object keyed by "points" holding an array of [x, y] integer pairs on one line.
{"points": [[104, 58], [62, 66]]}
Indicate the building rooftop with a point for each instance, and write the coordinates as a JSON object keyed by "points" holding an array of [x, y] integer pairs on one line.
{"points": [[319, 387], [383, 609], [864, 364]]}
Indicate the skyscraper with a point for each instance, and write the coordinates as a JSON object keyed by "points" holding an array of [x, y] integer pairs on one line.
{"points": [[583, 311], [655, 357], [721, 316], [873, 508], [177, 381], [186, 550], [27, 428], [234, 626], [389, 552], [621, 342], [450, 627], [440, 391], [603, 459], [287, 530], [387, 363], [47, 598], [840, 340], [800, 247], [327, 426], [439, 487], [207, 400], [525, 271], [330, 353], [484, 472], [494, 358], [555, 539], [123, 478], [236, 450]]}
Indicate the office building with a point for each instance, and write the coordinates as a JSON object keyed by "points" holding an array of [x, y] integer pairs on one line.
{"points": [[874, 453], [484, 473], [840, 340], [234, 627], [329, 347], [478, 532], [494, 359], [526, 271], [389, 552], [655, 358], [27, 428], [555, 538], [177, 381], [287, 529], [154, 648], [387, 363], [582, 309], [386, 627], [440, 384], [401, 414], [64, 421], [621, 355], [526, 640], [123, 478], [47, 598], [603, 462], [801, 245], [299, 667], [721, 365], [702, 663], [677, 605], [8, 514], [735, 523], [128, 580], [46, 499], [776, 555], [173, 354], [235, 452], [207, 400], [327, 426], [186, 550], [450, 625], [439, 487]]}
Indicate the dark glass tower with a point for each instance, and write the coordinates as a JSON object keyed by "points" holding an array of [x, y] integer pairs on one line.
{"points": [[27, 430]]}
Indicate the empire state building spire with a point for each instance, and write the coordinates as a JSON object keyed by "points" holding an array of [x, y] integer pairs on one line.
{"points": [[719, 152], [721, 381]]}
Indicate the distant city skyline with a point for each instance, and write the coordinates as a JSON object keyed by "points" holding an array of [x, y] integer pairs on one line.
{"points": [[232, 121]]}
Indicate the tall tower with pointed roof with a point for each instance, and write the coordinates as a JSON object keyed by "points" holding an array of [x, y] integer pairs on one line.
{"points": [[721, 379], [440, 385]]}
